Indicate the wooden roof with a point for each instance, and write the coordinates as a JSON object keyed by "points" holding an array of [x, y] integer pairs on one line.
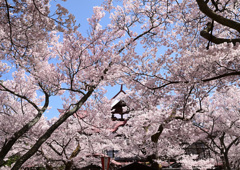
{"points": [[136, 166]]}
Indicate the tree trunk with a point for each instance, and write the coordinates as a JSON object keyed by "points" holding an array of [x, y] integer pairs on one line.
{"points": [[8, 145], [68, 165], [48, 133]]}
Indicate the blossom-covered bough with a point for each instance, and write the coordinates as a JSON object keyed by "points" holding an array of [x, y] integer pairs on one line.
{"points": [[220, 127], [172, 55]]}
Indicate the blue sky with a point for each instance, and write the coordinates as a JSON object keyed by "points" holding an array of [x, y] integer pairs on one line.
{"points": [[81, 9]]}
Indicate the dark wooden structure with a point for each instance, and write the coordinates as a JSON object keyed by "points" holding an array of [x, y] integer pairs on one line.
{"points": [[198, 148], [136, 166], [119, 107]]}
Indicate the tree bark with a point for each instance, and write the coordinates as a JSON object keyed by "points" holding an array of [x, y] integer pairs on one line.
{"points": [[218, 18], [8, 145], [68, 165], [48, 133]]}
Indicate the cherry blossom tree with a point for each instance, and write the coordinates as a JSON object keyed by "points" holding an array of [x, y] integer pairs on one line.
{"points": [[25, 27], [171, 54], [221, 127], [200, 57], [201, 40], [80, 140]]}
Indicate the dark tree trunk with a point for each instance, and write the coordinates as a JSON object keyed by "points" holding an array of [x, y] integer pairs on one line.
{"points": [[68, 165], [48, 133]]}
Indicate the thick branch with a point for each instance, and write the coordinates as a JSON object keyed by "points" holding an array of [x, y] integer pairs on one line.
{"points": [[8, 145], [156, 136], [218, 18], [205, 34], [48, 133], [230, 145], [237, 73], [173, 116]]}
